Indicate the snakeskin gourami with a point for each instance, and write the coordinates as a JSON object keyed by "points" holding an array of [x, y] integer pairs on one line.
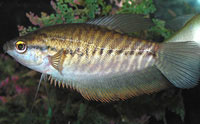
{"points": [[103, 63]]}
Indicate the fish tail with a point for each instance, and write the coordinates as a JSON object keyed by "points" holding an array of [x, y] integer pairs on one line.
{"points": [[179, 62]]}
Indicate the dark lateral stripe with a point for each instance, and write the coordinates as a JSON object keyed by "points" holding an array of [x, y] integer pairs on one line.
{"points": [[42, 48], [94, 51], [101, 51], [87, 51], [119, 51], [132, 52], [110, 51]]}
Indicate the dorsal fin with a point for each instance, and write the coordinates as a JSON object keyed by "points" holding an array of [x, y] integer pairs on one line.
{"points": [[124, 86], [124, 23]]}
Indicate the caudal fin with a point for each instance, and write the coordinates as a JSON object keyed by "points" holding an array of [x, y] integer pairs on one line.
{"points": [[180, 63]]}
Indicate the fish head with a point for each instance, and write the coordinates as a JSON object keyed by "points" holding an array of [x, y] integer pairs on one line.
{"points": [[26, 51]]}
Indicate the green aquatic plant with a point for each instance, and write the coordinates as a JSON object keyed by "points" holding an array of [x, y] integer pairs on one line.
{"points": [[160, 29], [77, 11], [67, 11], [138, 7]]}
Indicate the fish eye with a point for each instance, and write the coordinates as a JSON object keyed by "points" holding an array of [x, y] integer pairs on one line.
{"points": [[20, 46]]}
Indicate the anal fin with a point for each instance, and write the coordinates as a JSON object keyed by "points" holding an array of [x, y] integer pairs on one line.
{"points": [[123, 86]]}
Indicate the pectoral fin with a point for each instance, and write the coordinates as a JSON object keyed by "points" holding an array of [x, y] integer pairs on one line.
{"points": [[57, 60]]}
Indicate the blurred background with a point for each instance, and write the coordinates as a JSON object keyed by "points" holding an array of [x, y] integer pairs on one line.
{"points": [[18, 83]]}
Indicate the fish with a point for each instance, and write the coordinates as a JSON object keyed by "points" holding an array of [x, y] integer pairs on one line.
{"points": [[189, 31], [102, 62]]}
